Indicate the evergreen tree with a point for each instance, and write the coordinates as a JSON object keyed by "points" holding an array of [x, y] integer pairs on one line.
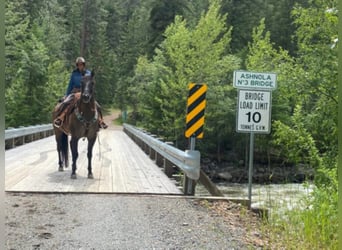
{"points": [[199, 55]]}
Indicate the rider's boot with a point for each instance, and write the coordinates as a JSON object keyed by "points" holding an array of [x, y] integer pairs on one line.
{"points": [[63, 110], [102, 124], [60, 119]]}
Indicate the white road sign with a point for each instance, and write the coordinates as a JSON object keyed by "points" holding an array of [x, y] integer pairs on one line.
{"points": [[254, 80], [254, 111]]}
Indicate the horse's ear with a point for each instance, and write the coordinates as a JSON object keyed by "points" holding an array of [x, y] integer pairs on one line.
{"points": [[92, 73]]}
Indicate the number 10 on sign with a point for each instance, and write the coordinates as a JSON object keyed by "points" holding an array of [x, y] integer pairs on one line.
{"points": [[254, 111]]}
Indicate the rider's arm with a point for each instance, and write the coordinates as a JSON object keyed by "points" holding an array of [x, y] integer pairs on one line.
{"points": [[70, 85]]}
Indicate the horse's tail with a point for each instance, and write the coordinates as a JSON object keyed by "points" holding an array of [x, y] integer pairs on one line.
{"points": [[65, 148]]}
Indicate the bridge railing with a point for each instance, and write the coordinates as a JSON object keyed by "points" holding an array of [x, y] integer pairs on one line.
{"points": [[166, 155], [19, 136]]}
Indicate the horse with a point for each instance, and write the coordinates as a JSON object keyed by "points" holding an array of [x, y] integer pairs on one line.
{"points": [[81, 122]]}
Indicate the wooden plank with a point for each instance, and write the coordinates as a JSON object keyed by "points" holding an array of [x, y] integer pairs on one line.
{"points": [[210, 186], [20, 165], [106, 171], [119, 165]]}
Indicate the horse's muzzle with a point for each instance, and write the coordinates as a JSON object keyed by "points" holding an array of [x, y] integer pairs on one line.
{"points": [[86, 98]]}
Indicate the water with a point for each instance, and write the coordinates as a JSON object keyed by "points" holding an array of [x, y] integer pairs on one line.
{"points": [[280, 196]]}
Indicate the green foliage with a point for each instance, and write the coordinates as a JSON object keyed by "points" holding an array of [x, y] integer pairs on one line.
{"points": [[200, 55], [313, 224], [16, 24], [17, 108], [55, 87], [308, 133], [161, 15], [296, 142], [26, 59]]}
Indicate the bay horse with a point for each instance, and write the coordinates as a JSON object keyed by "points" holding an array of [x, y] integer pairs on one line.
{"points": [[81, 122]]}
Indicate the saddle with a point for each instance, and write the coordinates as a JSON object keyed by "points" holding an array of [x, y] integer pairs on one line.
{"points": [[67, 103]]}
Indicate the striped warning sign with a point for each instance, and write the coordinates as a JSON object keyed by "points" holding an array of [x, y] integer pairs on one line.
{"points": [[195, 110]]}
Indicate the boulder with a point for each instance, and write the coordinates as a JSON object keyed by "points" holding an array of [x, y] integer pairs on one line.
{"points": [[225, 175]]}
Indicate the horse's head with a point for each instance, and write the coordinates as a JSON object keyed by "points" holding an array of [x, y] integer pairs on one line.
{"points": [[87, 88]]}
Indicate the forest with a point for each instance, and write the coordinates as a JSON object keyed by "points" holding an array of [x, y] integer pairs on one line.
{"points": [[145, 53]]}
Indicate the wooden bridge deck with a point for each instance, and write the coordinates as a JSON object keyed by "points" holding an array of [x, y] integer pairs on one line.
{"points": [[119, 166]]}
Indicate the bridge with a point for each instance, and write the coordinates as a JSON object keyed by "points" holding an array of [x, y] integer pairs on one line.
{"points": [[119, 166], [125, 160]]}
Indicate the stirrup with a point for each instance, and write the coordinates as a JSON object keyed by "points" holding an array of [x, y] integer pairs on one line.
{"points": [[57, 125], [103, 125]]}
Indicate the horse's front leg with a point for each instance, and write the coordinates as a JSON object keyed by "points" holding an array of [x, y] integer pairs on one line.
{"points": [[60, 161], [74, 151], [91, 142]]}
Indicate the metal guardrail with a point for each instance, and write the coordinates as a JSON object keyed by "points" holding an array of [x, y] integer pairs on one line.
{"points": [[188, 161], [19, 136], [17, 132]]}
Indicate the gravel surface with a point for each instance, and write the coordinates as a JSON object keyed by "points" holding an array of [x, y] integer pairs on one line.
{"points": [[100, 221]]}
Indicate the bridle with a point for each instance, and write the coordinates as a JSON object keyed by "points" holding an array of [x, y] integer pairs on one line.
{"points": [[79, 114]]}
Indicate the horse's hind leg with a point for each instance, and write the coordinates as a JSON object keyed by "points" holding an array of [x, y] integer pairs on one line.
{"points": [[60, 160], [65, 149], [60, 153], [74, 151], [91, 142]]}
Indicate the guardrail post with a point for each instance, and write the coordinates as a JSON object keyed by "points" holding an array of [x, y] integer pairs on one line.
{"points": [[168, 168], [152, 154], [159, 159], [189, 185]]}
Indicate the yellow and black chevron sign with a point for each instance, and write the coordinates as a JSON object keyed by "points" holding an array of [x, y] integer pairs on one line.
{"points": [[195, 110]]}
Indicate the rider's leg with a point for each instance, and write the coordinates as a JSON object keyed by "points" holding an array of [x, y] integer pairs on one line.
{"points": [[63, 110], [102, 124]]}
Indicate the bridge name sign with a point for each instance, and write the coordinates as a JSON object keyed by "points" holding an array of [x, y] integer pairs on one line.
{"points": [[254, 80]]}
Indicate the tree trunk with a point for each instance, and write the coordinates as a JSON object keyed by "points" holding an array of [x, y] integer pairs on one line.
{"points": [[84, 29]]}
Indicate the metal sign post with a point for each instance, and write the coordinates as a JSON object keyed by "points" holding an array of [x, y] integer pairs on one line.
{"points": [[250, 168], [194, 124]]}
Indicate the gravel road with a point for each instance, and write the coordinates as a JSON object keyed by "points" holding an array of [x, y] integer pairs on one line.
{"points": [[111, 221]]}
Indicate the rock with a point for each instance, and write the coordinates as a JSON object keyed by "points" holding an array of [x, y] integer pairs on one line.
{"points": [[225, 175]]}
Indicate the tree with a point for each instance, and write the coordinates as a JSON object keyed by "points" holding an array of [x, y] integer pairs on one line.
{"points": [[27, 74], [199, 55], [162, 14]]}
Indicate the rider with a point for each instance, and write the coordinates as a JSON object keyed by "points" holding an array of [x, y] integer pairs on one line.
{"points": [[73, 87]]}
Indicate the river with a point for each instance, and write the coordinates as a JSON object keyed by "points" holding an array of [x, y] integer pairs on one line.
{"points": [[280, 196]]}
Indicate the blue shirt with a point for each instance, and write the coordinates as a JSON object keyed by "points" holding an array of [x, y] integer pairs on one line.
{"points": [[75, 80]]}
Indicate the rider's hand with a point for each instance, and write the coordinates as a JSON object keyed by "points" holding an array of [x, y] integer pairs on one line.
{"points": [[62, 99]]}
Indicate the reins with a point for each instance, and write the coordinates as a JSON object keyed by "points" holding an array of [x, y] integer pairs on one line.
{"points": [[82, 119]]}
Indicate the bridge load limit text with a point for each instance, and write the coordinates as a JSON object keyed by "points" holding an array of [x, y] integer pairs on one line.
{"points": [[254, 100], [254, 107]]}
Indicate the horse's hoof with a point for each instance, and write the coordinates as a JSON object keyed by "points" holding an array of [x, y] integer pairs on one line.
{"points": [[60, 169], [73, 176], [90, 176]]}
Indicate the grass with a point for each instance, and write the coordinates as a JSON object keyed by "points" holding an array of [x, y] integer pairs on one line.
{"points": [[311, 225]]}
